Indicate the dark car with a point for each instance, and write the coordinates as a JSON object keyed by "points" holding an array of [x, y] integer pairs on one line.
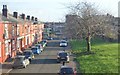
{"points": [[63, 56], [39, 46], [28, 54], [66, 70], [49, 38], [20, 61], [45, 42], [35, 50]]}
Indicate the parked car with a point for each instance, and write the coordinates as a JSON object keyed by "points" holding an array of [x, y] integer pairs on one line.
{"points": [[63, 56], [44, 42], [49, 38], [39, 46], [66, 70], [19, 53], [35, 50], [63, 43], [28, 54], [20, 61]]}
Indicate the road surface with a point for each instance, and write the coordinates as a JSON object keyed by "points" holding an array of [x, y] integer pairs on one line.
{"points": [[46, 62]]}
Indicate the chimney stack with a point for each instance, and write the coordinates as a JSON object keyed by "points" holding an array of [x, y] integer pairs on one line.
{"points": [[4, 10], [32, 18], [28, 17], [15, 14], [36, 19], [23, 16]]}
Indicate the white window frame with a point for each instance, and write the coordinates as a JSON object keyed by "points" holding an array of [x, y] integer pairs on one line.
{"points": [[6, 48], [18, 30], [18, 43], [26, 40], [6, 31], [13, 30]]}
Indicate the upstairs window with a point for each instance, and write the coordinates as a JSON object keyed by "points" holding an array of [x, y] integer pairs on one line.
{"points": [[6, 31]]}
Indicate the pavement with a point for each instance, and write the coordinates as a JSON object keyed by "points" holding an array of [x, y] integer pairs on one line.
{"points": [[6, 67]]}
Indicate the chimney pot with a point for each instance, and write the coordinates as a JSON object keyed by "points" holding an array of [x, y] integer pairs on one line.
{"points": [[32, 18], [28, 17], [35, 19], [4, 10], [23, 16], [15, 14]]}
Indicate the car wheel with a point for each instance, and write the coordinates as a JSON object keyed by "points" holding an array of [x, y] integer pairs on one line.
{"points": [[13, 67], [67, 61], [24, 66], [30, 60]]}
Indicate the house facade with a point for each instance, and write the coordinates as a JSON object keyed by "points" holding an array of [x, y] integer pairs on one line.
{"points": [[17, 33]]}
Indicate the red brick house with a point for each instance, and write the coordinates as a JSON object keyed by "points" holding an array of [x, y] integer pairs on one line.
{"points": [[8, 32], [17, 33]]}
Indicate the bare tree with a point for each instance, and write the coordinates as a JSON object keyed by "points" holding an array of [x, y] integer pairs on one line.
{"points": [[86, 22]]}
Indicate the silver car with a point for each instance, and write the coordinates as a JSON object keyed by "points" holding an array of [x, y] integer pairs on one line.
{"points": [[20, 61], [63, 43]]}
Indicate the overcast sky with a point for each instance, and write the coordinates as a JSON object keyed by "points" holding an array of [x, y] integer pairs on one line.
{"points": [[54, 10]]}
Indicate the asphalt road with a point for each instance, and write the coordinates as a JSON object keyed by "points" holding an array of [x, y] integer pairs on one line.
{"points": [[46, 62]]}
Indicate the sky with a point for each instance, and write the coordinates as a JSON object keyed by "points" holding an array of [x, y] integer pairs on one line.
{"points": [[54, 10]]}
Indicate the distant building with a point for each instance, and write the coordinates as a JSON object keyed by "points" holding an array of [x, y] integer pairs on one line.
{"points": [[55, 27], [119, 9]]}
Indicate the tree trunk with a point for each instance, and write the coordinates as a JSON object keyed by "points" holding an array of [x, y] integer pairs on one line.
{"points": [[88, 40], [88, 44]]}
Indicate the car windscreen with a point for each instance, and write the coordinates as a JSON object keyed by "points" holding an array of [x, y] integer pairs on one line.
{"points": [[63, 54], [63, 42], [34, 48], [27, 53], [18, 59], [39, 46], [66, 71]]}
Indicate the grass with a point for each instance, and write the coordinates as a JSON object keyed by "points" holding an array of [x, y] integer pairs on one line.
{"points": [[104, 57]]}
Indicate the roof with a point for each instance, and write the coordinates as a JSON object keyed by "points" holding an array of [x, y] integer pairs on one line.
{"points": [[10, 18], [62, 52], [66, 66], [20, 56], [27, 51], [64, 40], [34, 47]]}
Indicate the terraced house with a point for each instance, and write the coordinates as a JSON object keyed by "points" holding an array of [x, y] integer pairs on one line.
{"points": [[17, 32]]}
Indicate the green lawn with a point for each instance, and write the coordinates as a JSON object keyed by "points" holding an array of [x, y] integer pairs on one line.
{"points": [[104, 57]]}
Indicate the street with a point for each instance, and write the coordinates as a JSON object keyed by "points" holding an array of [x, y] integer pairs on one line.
{"points": [[46, 62]]}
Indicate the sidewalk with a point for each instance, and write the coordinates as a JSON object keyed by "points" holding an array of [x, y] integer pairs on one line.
{"points": [[6, 67]]}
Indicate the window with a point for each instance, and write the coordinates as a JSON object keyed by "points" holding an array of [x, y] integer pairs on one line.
{"points": [[13, 44], [18, 44], [26, 41], [6, 31], [13, 30], [6, 49], [18, 30], [23, 28], [22, 43]]}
